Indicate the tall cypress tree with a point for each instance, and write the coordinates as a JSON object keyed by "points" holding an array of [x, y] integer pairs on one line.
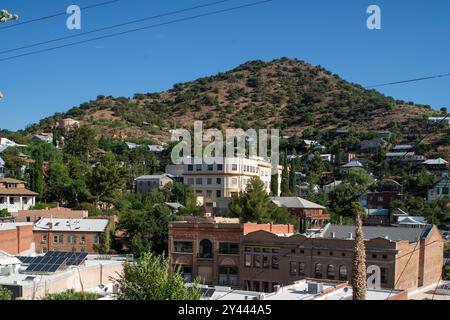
{"points": [[285, 176], [274, 185], [37, 174]]}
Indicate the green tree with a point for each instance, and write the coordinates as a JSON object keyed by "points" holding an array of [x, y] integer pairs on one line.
{"points": [[285, 176], [318, 165], [37, 173], [4, 213], [80, 143], [274, 187], [71, 295], [106, 180], [152, 278], [5, 294], [254, 205], [58, 182]]}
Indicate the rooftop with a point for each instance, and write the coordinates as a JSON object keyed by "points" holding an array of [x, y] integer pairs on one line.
{"points": [[83, 225], [391, 233], [295, 202], [13, 226]]}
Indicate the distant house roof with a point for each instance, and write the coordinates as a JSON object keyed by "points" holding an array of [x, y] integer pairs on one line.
{"points": [[390, 233], [8, 260], [400, 154], [131, 145], [175, 205], [438, 161], [403, 147], [372, 143], [412, 220], [310, 142], [152, 177], [76, 225], [155, 148], [333, 184], [295, 202], [353, 164]]}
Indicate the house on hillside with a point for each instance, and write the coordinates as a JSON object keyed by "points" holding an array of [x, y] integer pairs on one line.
{"points": [[14, 196], [46, 137], [401, 218], [67, 124], [145, 184], [329, 188], [3, 169], [314, 213], [372, 146], [354, 164], [440, 190], [437, 166]]}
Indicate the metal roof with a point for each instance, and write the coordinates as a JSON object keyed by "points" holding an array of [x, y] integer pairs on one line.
{"points": [[295, 202], [390, 233], [78, 225]]}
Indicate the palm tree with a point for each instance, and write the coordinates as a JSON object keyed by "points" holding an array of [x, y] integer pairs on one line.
{"points": [[359, 277]]}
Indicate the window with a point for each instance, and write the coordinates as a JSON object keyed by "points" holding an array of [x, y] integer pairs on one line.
{"points": [[256, 286], [208, 194], [61, 239], [191, 181], [228, 276], [384, 256], [190, 167], [219, 181], [343, 273], [28, 219], [293, 268], [55, 239], [301, 269], [199, 181], [219, 167], [11, 200], [198, 168], [257, 261], [265, 286], [384, 275], [183, 246], [218, 194], [206, 251], [275, 259], [330, 272], [234, 167], [210, 167], [445, 190], [209, 181], [234, 181], [96, 239], [302, 251], [228, 248], [71, 239], [186, 271], [83, 250], [25, 200], [2, 200], [248, 261], [374, 256], [266, 262], [82, 240], [318, 270], [44, 239]]}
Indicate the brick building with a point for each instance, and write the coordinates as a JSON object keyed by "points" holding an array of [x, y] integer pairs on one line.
{"points": [[57, 213], [16, 238], [314, 213], [77, 235], [210, 248], [270, 259], [260, 257]]}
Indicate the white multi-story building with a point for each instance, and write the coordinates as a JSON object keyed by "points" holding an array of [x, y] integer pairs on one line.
{"points": [[217, 183], [14, 196]]}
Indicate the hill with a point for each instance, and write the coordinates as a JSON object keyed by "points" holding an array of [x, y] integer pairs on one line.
{"points": [[287, 94]]}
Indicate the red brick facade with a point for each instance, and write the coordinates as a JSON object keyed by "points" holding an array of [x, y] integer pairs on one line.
{"points": [[16, 240], [45, 241], [56, 213]]}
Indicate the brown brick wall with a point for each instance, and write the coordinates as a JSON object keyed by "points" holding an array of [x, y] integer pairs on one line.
{"points": [[17, 240], [61, 213], [88, 246]]}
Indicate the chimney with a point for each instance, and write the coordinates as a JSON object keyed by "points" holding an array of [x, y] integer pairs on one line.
{"points": [[333, 235], [350, 236]]}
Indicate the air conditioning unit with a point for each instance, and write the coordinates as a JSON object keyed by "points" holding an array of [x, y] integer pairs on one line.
{"points": [[315, 288], [6, 271]]}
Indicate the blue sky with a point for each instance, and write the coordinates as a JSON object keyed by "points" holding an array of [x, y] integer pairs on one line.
{"points": [[413, 42]]}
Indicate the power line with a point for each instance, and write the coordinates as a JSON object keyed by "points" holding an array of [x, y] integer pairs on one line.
{"points": [[57, 15], [410, 80], [115, 26], [137, 29]]}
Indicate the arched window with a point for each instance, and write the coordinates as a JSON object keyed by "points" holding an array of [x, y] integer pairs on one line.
{"points": [[318, 270], [206, 249], [330, 272], [343, 273]]}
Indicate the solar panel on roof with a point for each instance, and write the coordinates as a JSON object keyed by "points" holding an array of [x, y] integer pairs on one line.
{"points": [[207, 292]]}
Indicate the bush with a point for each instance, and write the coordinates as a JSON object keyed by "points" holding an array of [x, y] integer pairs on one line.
{"points": [[71, 295]]}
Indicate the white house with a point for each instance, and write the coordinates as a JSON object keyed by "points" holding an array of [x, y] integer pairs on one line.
{"points": [[14, 196]]}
